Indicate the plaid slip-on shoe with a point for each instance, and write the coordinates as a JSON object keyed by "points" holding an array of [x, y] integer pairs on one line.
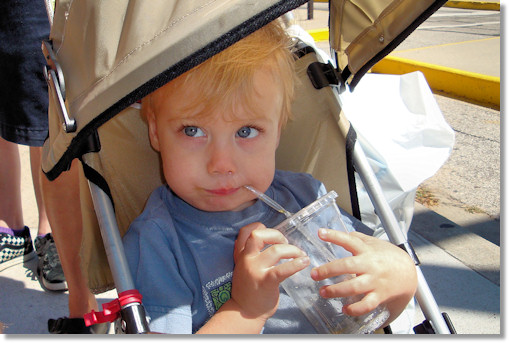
{"points": [[15, 249]]}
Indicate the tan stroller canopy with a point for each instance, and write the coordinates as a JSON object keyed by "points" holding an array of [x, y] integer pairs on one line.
{"points": [[107, 55]]}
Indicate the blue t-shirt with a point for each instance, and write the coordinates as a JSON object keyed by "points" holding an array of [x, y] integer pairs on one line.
{"points": [[181, 258]]}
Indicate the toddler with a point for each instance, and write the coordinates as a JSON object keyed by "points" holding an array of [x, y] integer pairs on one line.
{"points": [[203, 253]]}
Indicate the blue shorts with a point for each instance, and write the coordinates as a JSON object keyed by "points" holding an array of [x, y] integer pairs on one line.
{"points": [[23, 90]]}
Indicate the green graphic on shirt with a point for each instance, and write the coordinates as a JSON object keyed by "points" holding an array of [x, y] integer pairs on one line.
{"points": [[221, 294]]}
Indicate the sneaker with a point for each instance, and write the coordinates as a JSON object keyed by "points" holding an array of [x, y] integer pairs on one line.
{"points": [[15, 249], [65, 325], [49, 268]]}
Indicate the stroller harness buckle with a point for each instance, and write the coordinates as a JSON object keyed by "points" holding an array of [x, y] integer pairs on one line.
{"points": [[323, 75], [111, 310]]}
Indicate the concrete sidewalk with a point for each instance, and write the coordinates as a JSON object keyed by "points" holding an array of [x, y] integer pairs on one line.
{"points": [[25, 306]]}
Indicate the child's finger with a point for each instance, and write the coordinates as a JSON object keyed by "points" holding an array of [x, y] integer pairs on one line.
{"points": [[366, 305], [355, 286], [273, 254], [261, 237], [244, 233], [242, 237], [287, 269], [350, 241], [347, 265]]}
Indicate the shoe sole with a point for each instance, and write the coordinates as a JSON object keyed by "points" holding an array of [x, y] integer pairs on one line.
{"points": [[17, 260], [51, 286]]}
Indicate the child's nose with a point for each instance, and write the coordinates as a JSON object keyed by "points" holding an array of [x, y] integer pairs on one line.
{"points": [[221, 160]]}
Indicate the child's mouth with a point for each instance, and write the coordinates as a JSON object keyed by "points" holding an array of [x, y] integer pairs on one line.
{"points": [[223, 191]]}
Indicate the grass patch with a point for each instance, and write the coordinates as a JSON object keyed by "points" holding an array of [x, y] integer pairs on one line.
{"points": [[425, 197], [473, 209]]}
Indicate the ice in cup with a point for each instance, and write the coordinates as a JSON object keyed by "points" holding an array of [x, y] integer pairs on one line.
{"points": [[325, 315]]}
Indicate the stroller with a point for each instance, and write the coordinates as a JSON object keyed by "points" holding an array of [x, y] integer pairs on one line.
{"points": [[104, 56]]}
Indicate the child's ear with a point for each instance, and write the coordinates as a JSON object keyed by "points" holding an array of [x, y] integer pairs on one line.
{"points": [[152, 128]]}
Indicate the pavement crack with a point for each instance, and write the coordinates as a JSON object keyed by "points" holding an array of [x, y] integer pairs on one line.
{"points": [[476, 136]]}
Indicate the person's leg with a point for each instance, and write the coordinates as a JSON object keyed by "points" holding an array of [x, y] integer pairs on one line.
{"points": [[11, 211], [15, 240], [61, 197], [49, 268], [35, 165]]}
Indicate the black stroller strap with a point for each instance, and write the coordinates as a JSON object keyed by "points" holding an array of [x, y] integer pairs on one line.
{"points": [[351, 138], [95, 177]]}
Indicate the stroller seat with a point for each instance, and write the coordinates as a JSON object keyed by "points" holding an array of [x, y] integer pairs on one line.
{"points": [[128, 169]]}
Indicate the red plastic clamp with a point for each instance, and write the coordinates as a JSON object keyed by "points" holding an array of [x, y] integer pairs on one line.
{"points": [[111, 310]]}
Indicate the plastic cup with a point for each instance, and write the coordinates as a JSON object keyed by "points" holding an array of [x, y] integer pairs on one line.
{"points": [[325, 315]]}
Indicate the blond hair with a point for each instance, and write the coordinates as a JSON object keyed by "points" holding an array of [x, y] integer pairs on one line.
{"points": [[226, 79]]}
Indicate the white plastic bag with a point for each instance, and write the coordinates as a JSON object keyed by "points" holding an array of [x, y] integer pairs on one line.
{"points": [[401, 130], [404, 136]]}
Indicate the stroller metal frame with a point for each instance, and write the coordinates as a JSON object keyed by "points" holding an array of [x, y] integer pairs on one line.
{"points": [[132, 313], [439, 321]]}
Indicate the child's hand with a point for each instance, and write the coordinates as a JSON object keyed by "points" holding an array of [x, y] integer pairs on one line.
{"points": [[385, 273], [256, 277]]}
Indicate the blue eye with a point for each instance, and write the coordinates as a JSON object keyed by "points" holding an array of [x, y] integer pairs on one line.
{"points": [[193, 131], [247, 132]]}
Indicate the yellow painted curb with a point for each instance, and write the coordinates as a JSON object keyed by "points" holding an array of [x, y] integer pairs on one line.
{"points": [[478, 88], [467, 4], [319, 35], [474, 5]]}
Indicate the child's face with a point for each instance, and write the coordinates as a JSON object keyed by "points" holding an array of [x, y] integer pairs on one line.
{"points": [[209, 157]]}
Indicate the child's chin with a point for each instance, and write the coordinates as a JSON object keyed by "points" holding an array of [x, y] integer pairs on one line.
{"points": [[226, 206], [243, 206]]}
